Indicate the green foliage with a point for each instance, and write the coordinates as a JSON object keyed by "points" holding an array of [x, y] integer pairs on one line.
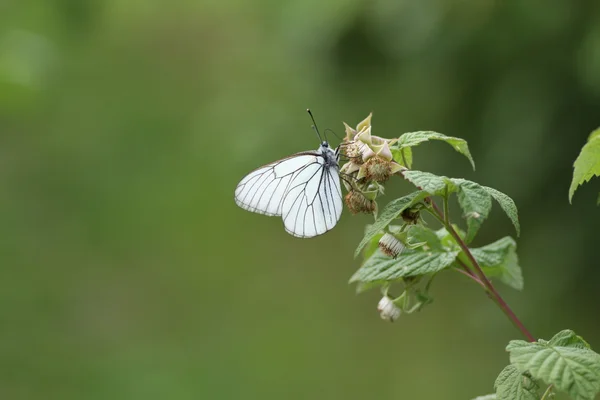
{"points": [[476, 203], [587, 164], [447, 239], [439, 250], [433, 184], [508, 205], [403, 156], [499, 259], [474, 199], [371, 245], [421, 235], [566, 361], [486, 397], [381, 268], [388, 214], [568, 338], [513, 384], [426, 253], [411, 139]]}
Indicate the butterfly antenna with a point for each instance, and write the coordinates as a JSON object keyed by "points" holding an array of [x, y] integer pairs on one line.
{"points": [[334, 134], [315, 125]]}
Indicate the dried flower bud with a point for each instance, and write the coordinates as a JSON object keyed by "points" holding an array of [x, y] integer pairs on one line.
{"points": [[354, 150], [411, 215], [358, 203], [390, 246], [388, 310], [377, 169]]}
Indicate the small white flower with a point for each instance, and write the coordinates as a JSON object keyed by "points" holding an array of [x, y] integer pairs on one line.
{"points": [[390, 246], [388, 310]]}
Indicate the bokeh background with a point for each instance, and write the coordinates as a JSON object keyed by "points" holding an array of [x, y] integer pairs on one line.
{"points": [[127, 271]]}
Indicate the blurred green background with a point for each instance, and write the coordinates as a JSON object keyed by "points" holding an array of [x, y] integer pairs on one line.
{"points": [[129, 273]]}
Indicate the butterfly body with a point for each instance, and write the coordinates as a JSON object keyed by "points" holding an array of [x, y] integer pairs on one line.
{"points": [[304, 189]]}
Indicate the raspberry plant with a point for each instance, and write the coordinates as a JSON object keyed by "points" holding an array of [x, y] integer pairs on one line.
{"points": [[401, 253]]}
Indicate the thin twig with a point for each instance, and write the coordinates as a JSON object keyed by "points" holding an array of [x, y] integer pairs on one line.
{"points": [[487, 283], [446, 208], [547, 392], [467, 274]]}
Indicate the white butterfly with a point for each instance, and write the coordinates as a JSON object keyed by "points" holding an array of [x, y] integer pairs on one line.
{"points": [[304, 189]]}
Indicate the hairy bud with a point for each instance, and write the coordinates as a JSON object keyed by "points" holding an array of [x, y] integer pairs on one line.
{"points": [[390, 246], [358, 203], [377, 169], [411, 215], [354, 151]]}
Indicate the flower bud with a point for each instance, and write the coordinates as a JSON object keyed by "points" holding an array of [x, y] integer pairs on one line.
{"points": [[388, 310], [358, 203], [411, 215], [390, 246], [354, 150], [378, 169]]}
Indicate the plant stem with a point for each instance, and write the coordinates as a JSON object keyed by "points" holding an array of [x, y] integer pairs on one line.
{"points": [[547, 392], [493, 293], [465, 268], [446, 208], [467, 274]]}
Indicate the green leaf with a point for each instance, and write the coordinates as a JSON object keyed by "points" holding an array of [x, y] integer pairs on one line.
{"points": [[390, 212], [434, 185], [421, 234], [446, 238], [476, 204], [512, 384], [568, 338], [372, 245], [574, 370], [364, 286], [486, 397], [410, 263], [499, 260], [587, 164], [403, 156], [411, 139], [508, 205]]}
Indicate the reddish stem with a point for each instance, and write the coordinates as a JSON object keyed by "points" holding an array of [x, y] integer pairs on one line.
{"points": [[493, 293], [466, 272]]}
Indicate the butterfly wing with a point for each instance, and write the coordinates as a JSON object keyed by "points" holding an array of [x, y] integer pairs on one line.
{"points": [[313, 203], [262, 191]]}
